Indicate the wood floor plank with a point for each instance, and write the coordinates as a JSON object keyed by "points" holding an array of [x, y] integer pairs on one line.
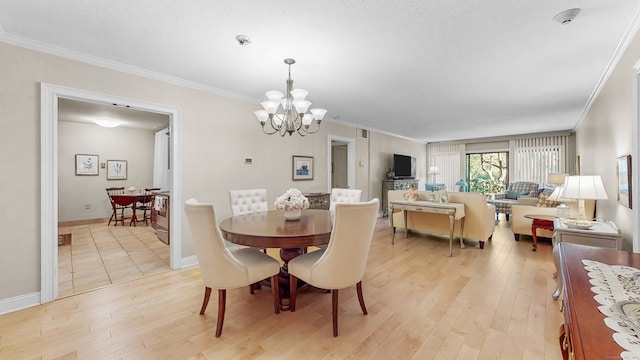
{"points": [[479, 304]]}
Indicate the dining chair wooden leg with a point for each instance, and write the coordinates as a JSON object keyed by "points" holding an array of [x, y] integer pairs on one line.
{"points": [[360, 297], [334, 310], [293, 292], [205, 302], [222, 299], [275, 291]]}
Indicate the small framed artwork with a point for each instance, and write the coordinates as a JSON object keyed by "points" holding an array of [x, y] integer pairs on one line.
{"points": [[624, 180], [86, 164], [302, 167], [116, 169]]}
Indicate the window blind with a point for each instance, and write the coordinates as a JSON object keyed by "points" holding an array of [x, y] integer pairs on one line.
{"points": [[534, 158], [448, 159]]}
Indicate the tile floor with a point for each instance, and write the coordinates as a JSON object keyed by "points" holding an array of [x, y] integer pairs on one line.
{"points": [[101, 255]]}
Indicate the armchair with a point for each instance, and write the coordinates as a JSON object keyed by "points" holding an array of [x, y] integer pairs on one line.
{"points": [[515, 190]]}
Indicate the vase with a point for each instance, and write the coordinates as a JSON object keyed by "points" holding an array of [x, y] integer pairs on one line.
{"points": [[292, 215]]}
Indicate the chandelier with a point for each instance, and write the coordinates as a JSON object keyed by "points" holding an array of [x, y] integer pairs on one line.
{"points": [[289, 114]]}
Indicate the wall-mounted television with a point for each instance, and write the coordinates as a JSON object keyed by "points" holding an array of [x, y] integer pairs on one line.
{"points": [[404, 167]]}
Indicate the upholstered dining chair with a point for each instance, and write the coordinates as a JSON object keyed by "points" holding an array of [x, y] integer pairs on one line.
{"points": [[343, 262], [222, 268], [343, 196], [116, 208], [248, 201]]}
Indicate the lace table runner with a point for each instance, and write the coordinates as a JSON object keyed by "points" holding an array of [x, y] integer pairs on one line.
{"points": [[613, 283]]}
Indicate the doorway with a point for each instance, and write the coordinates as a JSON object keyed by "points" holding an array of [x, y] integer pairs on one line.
{"points": [[341, 162], [50, 95]]}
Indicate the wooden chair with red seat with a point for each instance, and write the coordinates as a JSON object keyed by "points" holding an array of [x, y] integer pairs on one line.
{"points": [[146, 206], [117, 213]]}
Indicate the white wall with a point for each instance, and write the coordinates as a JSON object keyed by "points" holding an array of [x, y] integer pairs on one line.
{"points": [[218, 133], [606, 133], [75, 192]]}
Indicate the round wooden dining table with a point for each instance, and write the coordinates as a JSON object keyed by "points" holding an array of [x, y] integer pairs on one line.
{"points": [[269, 229]]}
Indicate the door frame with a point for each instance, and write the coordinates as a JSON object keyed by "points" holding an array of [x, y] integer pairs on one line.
{"points": [[49, 95], [351, 159]]}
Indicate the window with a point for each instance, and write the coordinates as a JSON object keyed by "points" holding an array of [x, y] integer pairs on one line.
{"points": [[487, 173]]}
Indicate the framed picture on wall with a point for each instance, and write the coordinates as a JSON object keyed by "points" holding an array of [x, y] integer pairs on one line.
{"points": [[116, 169], [302, 167], [624, 180], [86, 164]]}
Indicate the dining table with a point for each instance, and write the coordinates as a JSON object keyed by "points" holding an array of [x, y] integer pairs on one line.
{"points": [[131, 199], [269, 229]]}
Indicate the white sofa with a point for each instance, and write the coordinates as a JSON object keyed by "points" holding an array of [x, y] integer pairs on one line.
{"points": [[479, 219], [522, 226]]}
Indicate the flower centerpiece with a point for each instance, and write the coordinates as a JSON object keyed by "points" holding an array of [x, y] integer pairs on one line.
{"points": [[411, 195], [292, 203]]}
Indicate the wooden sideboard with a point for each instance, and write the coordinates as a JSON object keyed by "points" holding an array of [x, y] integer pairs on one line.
{"points": [[318, 200], [584, 334], [395, 185]]}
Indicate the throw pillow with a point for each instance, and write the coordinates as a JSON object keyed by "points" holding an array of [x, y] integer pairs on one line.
{"points": [[510, 194], [543, 201]]}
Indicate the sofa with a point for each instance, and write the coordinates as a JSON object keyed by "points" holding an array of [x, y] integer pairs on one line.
{"points": [[535, 206], [479, 219], [515, 190]]}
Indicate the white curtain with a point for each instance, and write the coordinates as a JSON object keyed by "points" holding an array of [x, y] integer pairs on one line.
{"points": [[535, 158], [161, 163], [448, 158]]}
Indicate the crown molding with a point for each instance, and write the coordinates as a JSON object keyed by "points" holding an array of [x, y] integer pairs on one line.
{"points": [[117, 66]]}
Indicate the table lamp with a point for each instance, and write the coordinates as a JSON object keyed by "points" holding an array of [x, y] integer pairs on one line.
{"points": [[581, 188], [562, 210]]}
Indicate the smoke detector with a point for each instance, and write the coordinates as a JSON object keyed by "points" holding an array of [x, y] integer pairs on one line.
{"points": [[566, 16], [243, 40]]}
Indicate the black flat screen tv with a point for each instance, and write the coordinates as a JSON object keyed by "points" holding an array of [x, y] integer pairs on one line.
{"points": [[404, 167]]}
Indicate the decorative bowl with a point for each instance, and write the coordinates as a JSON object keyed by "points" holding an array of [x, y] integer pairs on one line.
{"points": [[579, 224]]}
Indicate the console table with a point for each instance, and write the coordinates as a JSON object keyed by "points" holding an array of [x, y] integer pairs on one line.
{"points": [[455, 211], [395, 185], [584, 334], [603, 234]]}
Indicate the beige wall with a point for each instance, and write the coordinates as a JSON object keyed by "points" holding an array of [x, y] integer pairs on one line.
{"points": [[606, 133], [218, 133], [75, 192]]}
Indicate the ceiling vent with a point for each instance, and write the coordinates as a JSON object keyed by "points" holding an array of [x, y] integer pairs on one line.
{"points": [[566, 16]]}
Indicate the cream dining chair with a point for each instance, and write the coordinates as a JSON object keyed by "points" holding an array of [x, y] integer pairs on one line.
{"points": [[343, 196], [222, 268], [248, 201], [343, 262]]}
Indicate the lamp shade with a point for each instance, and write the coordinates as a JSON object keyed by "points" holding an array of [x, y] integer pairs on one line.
{"points": [[584, 187], [556, 195], [433, 170]]}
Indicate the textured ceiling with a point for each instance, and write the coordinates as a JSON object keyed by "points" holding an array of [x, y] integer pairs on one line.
{"points": [[426, 70]]}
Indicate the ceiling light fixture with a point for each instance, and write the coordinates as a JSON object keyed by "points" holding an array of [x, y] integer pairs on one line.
{"points": [[566, 16], [288, 114], [108, 123]]}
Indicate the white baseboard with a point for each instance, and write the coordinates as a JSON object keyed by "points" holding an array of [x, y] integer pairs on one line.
{"points": [[19, 302], [188, 261]]}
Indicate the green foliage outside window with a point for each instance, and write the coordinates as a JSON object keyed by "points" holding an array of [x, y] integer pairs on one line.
{"points": [[487, 172]]}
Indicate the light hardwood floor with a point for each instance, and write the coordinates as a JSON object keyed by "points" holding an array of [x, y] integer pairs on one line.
{"points": [[480, 304]]}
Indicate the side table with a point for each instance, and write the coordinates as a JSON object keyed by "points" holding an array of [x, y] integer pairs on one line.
{"points": [[603, 234], [544, 222]]}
